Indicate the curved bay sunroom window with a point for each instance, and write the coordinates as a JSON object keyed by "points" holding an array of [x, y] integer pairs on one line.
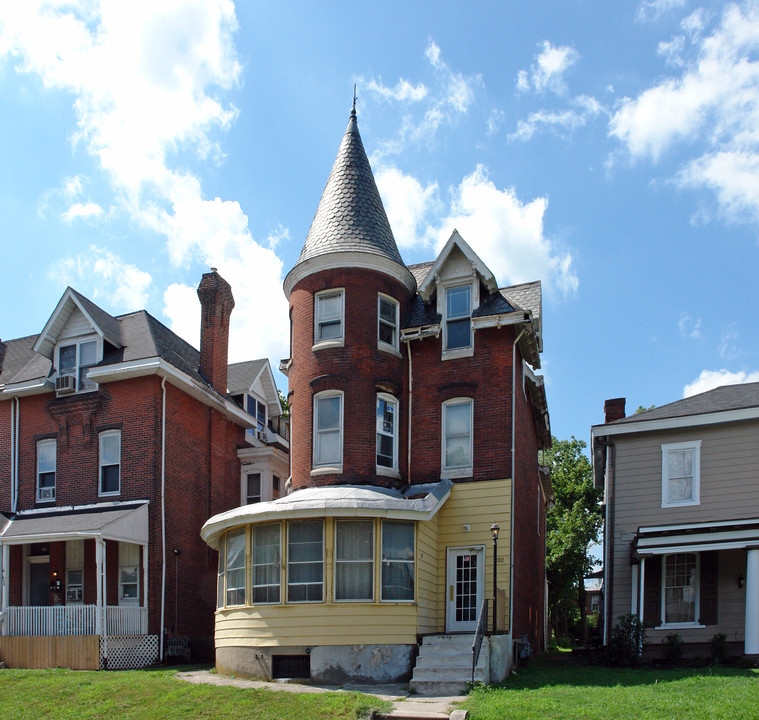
{"points": [[265, 562], [235, 568], [305, 561], [354, 560], [397, 560]]}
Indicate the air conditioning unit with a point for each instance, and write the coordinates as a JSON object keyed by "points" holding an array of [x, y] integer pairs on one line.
{"points": [[47, 493], [65, 384]]}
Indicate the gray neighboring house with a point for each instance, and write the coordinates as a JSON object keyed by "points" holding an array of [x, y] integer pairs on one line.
{"points": [[681, 536]]}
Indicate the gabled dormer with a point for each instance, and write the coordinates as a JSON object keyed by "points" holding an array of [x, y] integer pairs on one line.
{"points": [[74, 339]]}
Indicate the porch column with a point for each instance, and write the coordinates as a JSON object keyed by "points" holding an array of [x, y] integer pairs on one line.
{"points": [[99, 559], [642, 603], [144, 610], [4, 587], [634, 591], [752, 600]]}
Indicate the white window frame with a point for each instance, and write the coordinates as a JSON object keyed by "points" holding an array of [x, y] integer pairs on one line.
{"points": [[132, 567], [338, 341], [384, 469], [338, 562], [289, 564], [47, 442], [76, 372], [319, 465], [381, 344], [259, 430], [663, 593], [101, 464], [464, 351], [406, 562], [277, 563], [666, 449], [73, 586], [456, 471]]}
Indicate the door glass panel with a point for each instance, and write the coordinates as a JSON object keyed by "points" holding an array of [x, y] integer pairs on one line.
{"points": [[466, 588]]}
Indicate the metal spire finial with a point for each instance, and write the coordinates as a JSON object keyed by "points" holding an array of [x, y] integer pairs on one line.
{"points": [[353, 110]]}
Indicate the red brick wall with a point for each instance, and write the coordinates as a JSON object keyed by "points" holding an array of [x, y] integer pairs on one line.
{"points": [[359, 369]]}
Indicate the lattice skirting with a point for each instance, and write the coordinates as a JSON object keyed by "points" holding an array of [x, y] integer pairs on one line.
{"points": [[128, 652]]}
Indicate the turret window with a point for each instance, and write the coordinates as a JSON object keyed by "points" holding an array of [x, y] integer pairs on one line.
{"points": [[387, 323], [328, 317], [328, 429]]}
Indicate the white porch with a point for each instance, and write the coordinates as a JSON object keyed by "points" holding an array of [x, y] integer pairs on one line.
{"points": [[75, 620]]}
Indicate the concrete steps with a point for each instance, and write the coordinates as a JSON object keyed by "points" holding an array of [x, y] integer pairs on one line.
{"points": [[444, 665]]}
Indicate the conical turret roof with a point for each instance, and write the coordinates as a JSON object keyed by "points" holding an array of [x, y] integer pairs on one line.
{"points": [[351, 216]]}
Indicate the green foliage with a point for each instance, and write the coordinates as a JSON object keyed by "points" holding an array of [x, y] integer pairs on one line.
{"points": [[572, 525], [628, 639], [718, 650], [642, 409], [284, 404], [673, 648]]}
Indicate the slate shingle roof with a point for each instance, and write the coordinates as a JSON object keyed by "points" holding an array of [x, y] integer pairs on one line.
{"points": [[351, 216], [15, 355], [240, 376], [721, 399]]}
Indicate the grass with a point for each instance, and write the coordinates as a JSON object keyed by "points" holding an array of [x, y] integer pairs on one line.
{"points": [[159, 694], [551, 688]]}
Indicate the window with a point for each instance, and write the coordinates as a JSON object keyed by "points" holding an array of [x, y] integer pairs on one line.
{"points": [[129, 574], [387, 322], [354, 560], [235, 568], [328, 429], [397, 560], [110, 462], [275, 483], [74, 587], [46, 451], [328, 316], [458, 317], [680, 588], [252, 488], [457, 435], [220, 590], [257, 409], [387, 432], [305, 561], [75, 359], [680, 474], [265, 562]]}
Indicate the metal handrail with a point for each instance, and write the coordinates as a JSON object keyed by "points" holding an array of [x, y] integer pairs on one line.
{"points": [[479, 634]]}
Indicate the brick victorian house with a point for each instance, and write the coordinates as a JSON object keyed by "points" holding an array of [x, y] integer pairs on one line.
{"points": [[117, 441], [417, 420]]}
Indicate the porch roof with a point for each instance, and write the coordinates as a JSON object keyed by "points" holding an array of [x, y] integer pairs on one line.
{"points": [[125, 522], [696, 537]]}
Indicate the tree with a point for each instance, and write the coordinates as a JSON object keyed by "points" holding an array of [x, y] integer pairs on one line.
{"points": [[572, 525]]}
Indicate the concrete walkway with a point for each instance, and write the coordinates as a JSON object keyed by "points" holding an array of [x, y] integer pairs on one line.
{"points": [[405, 706]]}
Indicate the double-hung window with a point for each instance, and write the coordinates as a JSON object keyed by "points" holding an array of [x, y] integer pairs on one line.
{"points": [[680, 474], [458, 317], [258, 410], [328, 316], [397, 560], [305, 561], [680, 583], [46, 452], [265, 561], [457, 436], [235, 567], [75, 359], [110, 462], [252, 488], [387, 323], [129, 574], [328, 429], [387, 432], [354, 560]]}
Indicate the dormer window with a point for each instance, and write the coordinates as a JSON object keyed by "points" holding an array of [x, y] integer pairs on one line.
{"points": [[458, 317], [257, 409], [75, 359], [387, 323]]}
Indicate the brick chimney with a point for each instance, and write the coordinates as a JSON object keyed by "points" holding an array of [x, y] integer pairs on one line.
{"points": [[614, 409], [216, 304]]}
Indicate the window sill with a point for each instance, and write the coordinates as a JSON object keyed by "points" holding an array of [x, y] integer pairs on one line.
{"points": [[456, 353], [387, 472], [456, 473], [110, 494], [690, 503], [679, 626], [45, 501], [327, 470], [390, 349], [326, 344]]}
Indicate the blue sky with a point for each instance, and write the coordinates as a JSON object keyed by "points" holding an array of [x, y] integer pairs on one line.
{"points": [[609, 150]]}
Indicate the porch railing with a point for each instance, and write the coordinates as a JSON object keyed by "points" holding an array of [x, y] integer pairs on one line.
{"points": [[74, 620]]}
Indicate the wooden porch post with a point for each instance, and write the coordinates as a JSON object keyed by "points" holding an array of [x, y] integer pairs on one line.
{"points": [[99, 560], [752, 601], [145, 611], [4, 587]]}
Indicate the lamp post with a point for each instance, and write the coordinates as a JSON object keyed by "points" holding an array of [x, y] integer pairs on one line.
{"points": [[494, 529]]}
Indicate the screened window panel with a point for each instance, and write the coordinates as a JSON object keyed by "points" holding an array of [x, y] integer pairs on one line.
{"points": [[397, 560], [235, 568], [354, 560], [305, 561], [266, 563]]}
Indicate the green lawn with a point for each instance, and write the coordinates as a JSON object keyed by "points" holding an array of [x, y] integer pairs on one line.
{"points": [[553, 689], [68, 694]]}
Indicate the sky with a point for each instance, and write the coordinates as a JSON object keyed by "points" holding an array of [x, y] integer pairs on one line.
{"points": [[608, 149]]}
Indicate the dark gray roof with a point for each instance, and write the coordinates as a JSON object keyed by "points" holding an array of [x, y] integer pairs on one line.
{"points": [[14, 355], [107, 323], [240, 376], [721, 399], [494, 304], [351, 217], [421, 314]]}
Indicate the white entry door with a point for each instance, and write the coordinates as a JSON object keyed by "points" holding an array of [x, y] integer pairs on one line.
{"points": [[465, 578]]}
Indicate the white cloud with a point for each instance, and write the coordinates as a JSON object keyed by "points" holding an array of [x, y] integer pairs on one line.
{"points": [[507, 234], [710, 379], [712, 105], [407, 204], [82, 211], [728, 344], [147, 80], [494, 122], [690, 327], [124, 286], [568, 120], [672, 50], [547, 72], [404, 91], [652, 10]]}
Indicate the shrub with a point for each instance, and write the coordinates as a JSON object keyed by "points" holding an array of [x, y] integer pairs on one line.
{"points": [[628, 638], [673, 648], [718, 649]]}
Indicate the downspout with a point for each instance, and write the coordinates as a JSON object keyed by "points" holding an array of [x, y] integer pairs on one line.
{"points": [[513, 468], [14, 452], [163, 512], [410, 389], [611, 459]]}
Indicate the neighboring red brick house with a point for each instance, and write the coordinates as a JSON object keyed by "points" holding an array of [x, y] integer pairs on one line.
{"points": [[117, 441], [417, 422]]}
